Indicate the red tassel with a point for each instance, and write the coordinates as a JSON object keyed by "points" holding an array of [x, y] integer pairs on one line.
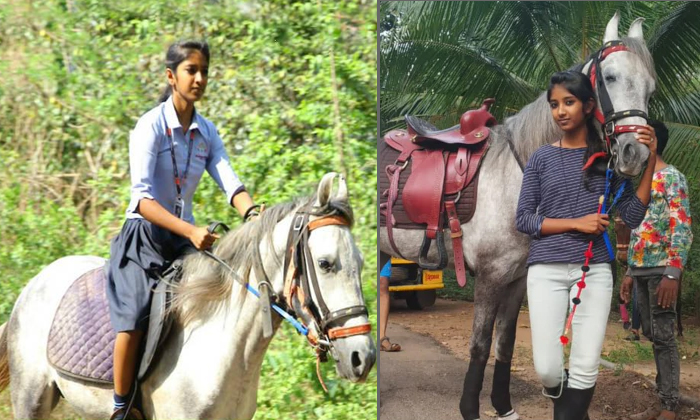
{"points": [[593, 157], [564, 340]]}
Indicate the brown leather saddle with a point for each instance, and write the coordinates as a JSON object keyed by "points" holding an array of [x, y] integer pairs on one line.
{"points": [[430, 181]]}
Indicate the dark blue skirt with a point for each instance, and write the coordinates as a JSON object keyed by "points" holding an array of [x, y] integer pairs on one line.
{"points": [[138, 256]]}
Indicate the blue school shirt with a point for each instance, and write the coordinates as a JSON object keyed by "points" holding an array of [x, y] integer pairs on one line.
{"points": [[152, 174]]}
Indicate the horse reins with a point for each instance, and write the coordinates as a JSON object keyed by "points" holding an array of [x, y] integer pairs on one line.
{"points": [[607, 118], [300, 280]]}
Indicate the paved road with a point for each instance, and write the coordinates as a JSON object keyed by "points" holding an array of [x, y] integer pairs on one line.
{"points": [[424, 381]]}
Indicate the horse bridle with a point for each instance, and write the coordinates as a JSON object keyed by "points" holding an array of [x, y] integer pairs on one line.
{"points": [[301, 288], [607, 115]]}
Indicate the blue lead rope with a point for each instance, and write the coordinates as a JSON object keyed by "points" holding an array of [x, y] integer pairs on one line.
{"points": [[302, 329], [299, 326], [606, 210]]}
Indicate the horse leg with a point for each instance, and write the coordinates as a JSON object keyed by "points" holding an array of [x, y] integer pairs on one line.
{"points": [[23, 365], [506, 325], [485, 309], [34, 399]]}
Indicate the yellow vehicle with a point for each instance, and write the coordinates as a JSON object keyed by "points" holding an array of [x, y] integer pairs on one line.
{"points": [[410, 282]]}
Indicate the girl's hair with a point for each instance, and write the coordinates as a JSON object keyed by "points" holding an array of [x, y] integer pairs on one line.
{"points": [[177, 53], [580, 86]]}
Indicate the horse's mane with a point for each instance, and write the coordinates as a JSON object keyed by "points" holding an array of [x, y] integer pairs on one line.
{"points": [[207, 286]]}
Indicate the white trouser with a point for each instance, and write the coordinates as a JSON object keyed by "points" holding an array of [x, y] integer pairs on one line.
{"points": [[550, 290]]}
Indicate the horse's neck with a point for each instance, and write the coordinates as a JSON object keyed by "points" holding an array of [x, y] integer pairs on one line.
{"points": [[223, 354], [532, 127]]}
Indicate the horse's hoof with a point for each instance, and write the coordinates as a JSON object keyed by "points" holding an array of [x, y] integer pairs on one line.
{"points": [[510, 416]]}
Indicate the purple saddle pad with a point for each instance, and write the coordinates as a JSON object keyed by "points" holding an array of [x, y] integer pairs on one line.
{"points": [[81, 339]]}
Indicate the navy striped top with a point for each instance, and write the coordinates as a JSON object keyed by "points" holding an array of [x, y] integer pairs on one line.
{"points": [[553, 187]]}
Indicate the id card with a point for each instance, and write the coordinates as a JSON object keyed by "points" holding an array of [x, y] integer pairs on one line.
{"points": [[179, 210]]}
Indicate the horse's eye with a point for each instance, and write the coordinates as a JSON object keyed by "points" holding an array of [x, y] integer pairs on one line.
{"points": [[610, 78], [324, 265]]}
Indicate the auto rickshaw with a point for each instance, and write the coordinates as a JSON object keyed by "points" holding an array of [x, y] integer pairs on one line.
{"points": [[410, 282]]}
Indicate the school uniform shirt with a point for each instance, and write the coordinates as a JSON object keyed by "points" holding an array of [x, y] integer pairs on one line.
{"points": [[660, 245], [152, 174], [553, 187]]}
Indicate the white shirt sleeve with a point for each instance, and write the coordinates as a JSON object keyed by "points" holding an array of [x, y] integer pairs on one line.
{"points": [[219, 167], [143, 153]]}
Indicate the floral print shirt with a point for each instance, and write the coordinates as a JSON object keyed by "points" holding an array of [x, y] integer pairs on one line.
{"points": [[663, 239]]}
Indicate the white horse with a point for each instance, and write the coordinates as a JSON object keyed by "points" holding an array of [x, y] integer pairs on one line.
{"points": [[493, 249], [210, 364]]}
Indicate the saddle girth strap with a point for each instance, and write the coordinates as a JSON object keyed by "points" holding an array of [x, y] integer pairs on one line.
{"points": [[456, 235], [394, 173]]}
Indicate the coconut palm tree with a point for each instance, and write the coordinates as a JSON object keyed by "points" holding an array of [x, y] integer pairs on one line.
{"points": [[438, 59]]}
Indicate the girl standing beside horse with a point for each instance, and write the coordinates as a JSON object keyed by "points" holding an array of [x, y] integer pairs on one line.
{"points": [[558, 208]]}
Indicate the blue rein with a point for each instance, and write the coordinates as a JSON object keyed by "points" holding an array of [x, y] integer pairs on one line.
{"points": [[298, 325], [606, 210]]}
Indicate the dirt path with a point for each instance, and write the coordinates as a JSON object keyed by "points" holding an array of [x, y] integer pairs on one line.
{"points": [[618, 393]]}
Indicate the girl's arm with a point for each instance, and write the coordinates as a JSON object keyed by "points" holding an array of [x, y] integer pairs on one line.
{"points": [[152, 211], [143, 151], [530, 222], [633, 205], [220, 169]]}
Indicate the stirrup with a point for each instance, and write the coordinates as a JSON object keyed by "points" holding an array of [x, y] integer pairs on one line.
{"points": [[121, 414]]}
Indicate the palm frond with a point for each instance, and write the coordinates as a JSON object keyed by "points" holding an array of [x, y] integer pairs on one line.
{"points": [[683, 149]]}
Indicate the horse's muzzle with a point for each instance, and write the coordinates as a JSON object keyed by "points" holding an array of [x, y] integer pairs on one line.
{"points": [[354, 357]]}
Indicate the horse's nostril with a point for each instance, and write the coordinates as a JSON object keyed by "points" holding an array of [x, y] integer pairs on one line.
{"points": [[355, 360], [627, 153]]}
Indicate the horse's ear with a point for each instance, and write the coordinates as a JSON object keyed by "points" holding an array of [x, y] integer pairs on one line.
{"points": [[324, 189], [611, 29], [635, 30], [342, 194]]}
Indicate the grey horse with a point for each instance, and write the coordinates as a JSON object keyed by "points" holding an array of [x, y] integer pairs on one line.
{"points": [[210, 366], [493, 249]]}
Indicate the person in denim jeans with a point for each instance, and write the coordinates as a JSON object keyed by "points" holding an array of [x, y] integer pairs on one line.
{"points": [[657, 254]]}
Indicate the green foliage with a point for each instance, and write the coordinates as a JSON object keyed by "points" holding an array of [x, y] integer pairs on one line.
{"points": [[635, 352], [452, 289], [292, 91]]}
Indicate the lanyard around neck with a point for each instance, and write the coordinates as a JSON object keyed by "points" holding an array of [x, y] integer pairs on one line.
{"points": [[178, 182]]}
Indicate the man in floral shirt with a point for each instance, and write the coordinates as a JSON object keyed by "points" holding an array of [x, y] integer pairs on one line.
{"points": [[658, 251]]}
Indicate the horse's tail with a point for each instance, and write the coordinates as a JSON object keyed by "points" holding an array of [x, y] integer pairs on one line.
{"points": [[4, 361]]}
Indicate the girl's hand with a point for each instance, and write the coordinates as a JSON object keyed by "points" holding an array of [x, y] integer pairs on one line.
{"points": [[592, 224], [201, 238], [647, 136]]}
